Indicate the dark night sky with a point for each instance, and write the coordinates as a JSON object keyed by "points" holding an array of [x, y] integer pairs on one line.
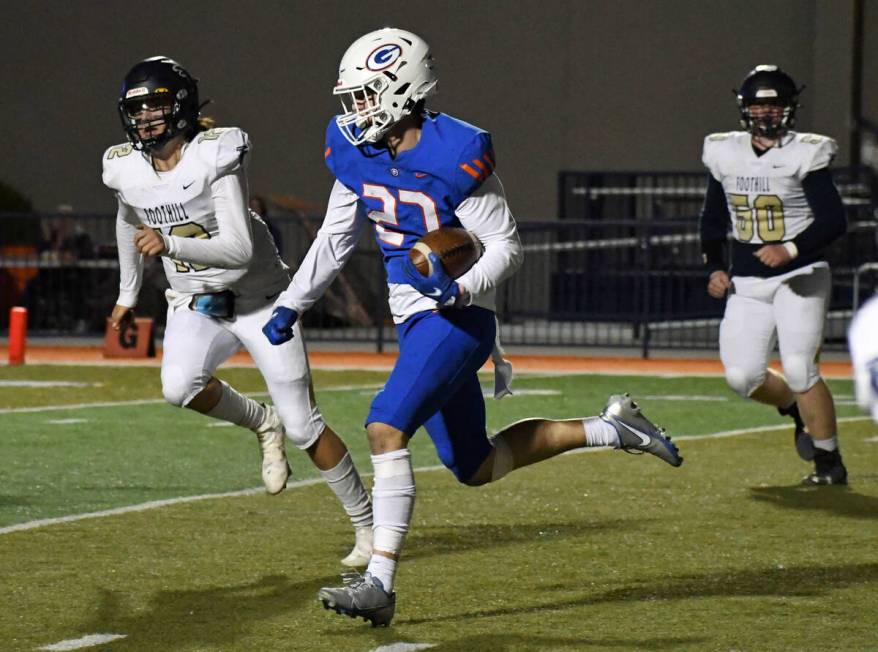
{"points": [[562, 84]]}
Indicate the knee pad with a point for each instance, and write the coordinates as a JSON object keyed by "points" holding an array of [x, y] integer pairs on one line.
{"points": [[744, 381], [179, 387], [801, 372], [302, 426]]}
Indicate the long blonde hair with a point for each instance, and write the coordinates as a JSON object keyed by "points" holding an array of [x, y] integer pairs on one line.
{"points": [[205, 123]]}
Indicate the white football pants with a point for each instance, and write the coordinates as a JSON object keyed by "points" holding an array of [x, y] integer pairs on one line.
{"points": [[195, 345], [788, 310]]}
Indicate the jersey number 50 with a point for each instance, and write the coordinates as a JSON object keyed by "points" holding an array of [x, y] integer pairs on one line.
{"points": [[388, 212], [767, 212]]}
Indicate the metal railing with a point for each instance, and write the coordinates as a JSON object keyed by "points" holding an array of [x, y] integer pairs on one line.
{"points": [[601, 281]]}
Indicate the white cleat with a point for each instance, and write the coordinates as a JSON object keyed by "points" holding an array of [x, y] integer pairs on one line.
{"points": [[362, 552], [275, 468]]}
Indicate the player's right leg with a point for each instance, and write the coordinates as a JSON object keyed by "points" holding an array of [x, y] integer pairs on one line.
{"points": [[288, 378], [436, 350], [194, 346], [371, 596]]}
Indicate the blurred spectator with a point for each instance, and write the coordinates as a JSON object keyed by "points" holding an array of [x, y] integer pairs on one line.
{"points": [[258, 206], [64, 239]]}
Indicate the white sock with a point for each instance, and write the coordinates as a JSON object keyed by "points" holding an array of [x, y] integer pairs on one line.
{"points": [[393, 499], [600, 433], [237, 408], [345, 483], [826, 444]]}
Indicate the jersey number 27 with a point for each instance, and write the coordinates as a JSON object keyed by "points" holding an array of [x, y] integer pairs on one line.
{"points": [[388, 213]]}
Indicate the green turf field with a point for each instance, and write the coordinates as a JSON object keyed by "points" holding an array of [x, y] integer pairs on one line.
{"points": [[595, 551]]}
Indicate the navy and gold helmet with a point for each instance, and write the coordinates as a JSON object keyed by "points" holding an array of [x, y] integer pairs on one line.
{"points": [[167, 93], [768, 85]]}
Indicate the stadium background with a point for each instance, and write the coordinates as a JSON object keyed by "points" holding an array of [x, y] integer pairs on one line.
{"points": [[573, 84], [115, 515], [563, 86]]}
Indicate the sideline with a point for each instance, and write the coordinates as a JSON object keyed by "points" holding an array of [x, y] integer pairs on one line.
{"points": [[155, 504], [345, 360]]}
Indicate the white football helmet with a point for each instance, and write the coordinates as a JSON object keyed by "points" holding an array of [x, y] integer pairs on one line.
{"points": [[381, 78]]}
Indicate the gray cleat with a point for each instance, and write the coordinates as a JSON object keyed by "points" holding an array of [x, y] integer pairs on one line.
{"points": [[362, 596], [637, 434]]}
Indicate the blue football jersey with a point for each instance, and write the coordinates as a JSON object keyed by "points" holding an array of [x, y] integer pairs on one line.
{"points": [[418, 191]]}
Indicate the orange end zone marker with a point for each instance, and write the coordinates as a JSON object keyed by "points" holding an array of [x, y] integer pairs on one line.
{"points": [[17, 334]]}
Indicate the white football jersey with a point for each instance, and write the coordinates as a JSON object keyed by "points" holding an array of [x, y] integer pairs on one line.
{"points": [[191, 205], [863, 341], [764, 193]]}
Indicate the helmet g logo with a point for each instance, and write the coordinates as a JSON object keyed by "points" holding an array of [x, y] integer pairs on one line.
{"points": [[383, 57]]}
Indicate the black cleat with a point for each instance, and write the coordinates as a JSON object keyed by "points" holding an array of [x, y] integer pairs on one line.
{"points": [[802, 440], [828, 469], [362, 596]]}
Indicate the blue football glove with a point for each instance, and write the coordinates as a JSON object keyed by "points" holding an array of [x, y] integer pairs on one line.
{"points": [[279, 328], [439, 285]]}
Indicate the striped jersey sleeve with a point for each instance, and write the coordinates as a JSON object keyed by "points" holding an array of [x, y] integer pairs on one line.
{"points": [[475, 164]]}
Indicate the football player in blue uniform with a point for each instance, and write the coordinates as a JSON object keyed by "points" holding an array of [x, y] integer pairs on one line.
{"points": [[771, 187], [409, 171]]}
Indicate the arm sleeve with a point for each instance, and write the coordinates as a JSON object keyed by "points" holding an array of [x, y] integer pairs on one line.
{"points": [[330, 251], [713, 226], [830, 221], [232, 248], [486, 214], [130, 260]]}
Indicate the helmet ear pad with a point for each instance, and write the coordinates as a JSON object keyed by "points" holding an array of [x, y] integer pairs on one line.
{"points": [[157, 80]]}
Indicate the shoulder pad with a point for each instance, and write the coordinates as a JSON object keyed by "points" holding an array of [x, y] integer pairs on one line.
{"points": [[475, 163], [223, 148], [334, 141], [820, 151], [112, 160], [709, 152]]}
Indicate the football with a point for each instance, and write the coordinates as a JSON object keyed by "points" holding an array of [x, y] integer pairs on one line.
{"points": [[457, 248]]}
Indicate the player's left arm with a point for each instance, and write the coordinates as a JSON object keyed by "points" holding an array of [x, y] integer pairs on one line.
{"points": [[830, 221], [485, 213], [232, 246]]}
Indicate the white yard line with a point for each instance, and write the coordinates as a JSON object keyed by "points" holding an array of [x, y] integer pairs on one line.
{"points": [[46, 383], [156, 401], [86, 641], [154, 504], [672, 397], [80, 406]]}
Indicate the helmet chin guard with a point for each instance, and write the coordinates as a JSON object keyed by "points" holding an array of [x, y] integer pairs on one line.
{"points": [[381, 79], [767, 84]]}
